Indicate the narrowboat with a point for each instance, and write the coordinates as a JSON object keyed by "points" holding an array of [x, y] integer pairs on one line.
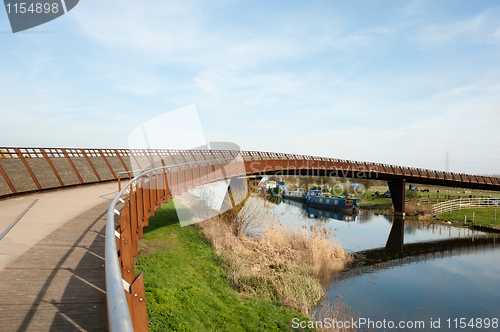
{"points": [[315, 198], [295, 195]]}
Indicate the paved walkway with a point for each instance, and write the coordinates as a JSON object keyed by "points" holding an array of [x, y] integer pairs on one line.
{"points": [[52, 261]]}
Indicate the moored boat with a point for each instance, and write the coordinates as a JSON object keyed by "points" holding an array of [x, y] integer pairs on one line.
{"points": [[315, 198], [296, 195]]}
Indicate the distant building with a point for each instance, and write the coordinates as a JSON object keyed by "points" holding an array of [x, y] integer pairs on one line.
{"points": [[271, 184]]}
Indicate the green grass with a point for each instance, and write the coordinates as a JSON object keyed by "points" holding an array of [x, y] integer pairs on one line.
{"points": [[482, 216], [447, 193], [372, 202], [187, 289], [444, 192]]}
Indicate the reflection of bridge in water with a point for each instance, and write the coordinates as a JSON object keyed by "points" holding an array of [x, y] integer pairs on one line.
{"points": [[396, 253]]}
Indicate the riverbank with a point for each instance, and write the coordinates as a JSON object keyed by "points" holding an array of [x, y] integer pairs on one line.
{"points": [[380, 205], [282, 265], [187, 289], [483, 218], [383, 205]]}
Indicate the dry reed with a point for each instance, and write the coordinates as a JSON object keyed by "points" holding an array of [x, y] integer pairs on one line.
{"points": [[335, 311], [284, 265], [413, 208]]}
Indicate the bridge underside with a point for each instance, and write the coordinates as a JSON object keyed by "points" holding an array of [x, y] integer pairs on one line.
{"points": [[380, 176], [396, 183]]}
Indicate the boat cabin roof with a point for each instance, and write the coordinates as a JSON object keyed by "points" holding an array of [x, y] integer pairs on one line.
{"points": [[315, 192]]}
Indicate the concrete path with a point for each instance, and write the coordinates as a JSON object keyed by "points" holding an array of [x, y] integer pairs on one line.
{"points": [[52, 275]]}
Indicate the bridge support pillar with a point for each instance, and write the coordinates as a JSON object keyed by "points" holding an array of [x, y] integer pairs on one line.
{"points": [[397, 188]]}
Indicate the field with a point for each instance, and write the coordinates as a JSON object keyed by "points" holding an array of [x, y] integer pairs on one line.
{"points": [[482, 216], [371, 202]]}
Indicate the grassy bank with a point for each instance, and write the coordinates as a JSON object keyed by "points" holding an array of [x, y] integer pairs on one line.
{"points": [[282, 265], [482, 216], [369, 202], [413, 207], [187, 289]]}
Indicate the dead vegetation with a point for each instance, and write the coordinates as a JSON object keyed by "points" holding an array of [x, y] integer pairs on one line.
{"points": [[415, 208], [281, 264], [251, 216], [334, 309]]}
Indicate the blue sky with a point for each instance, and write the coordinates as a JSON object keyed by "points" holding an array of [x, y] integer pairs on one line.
{"points": [[397, 82]]}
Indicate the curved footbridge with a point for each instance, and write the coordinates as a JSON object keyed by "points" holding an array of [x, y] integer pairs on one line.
{"points": [[58, 272]]}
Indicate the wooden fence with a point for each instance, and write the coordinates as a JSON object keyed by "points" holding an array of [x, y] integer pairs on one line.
{"points": [[465, 203]]}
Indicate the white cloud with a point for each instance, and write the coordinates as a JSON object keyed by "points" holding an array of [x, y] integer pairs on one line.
{"points": [[476, 29], [414, 8], [401, 89]]}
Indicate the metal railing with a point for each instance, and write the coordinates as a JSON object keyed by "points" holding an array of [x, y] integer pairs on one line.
{"points": [[146, 192], [465, 203], [25, 169]]}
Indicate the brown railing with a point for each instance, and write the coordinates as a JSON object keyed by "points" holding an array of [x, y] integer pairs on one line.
{"points": [[142, 196], [172, 172], [32, 169]]}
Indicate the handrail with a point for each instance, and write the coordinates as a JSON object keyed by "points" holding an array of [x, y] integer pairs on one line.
{"points": [[119, 319], [99, 165], [118, 312]]}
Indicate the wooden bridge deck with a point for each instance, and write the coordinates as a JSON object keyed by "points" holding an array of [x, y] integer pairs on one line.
{"points": [[59, 284]]}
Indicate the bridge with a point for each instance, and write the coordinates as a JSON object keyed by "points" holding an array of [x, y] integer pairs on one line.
{"points": [[159, 176], [25, 170]]}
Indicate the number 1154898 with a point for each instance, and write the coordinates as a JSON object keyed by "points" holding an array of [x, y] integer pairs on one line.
{"points": [[37, 8], [478, 323]]}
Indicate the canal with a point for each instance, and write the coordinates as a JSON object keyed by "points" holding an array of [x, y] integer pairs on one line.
{"points": [[408, 271]]}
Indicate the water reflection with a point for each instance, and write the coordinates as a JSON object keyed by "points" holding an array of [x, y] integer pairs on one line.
{"points": [[405, 269], [396, 253], [315, 213], [396, 236]]}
